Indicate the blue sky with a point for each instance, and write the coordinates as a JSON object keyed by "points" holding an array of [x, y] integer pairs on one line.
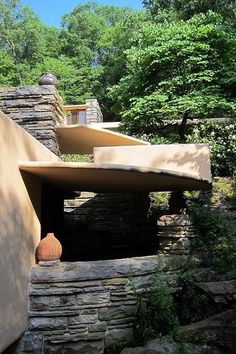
{"points": [[51, 11]]}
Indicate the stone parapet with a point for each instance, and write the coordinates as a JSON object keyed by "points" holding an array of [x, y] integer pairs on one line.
{"points": [[38, 109], [87, 306]]}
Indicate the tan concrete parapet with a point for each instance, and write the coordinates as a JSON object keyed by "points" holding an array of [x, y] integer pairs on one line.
{"points": [[191, 159], [82, 138]]}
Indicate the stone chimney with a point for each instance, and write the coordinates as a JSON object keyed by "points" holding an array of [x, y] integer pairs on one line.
{"points": [[37, 109]]}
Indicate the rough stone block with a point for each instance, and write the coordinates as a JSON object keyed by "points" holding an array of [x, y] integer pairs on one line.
{"points": [[97, 327], [31, 343], [118, 335], [81, 347], [47, 323], [63, 300], [87, 312], [73, 337], [174, 220], [72, 321], [109, 313], [121, 323], [93, 298], [114, 282], [39, 303]]}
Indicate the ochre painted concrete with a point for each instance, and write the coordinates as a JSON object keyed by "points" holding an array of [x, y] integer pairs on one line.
{"points": [[112, 178], [81, 139], [191, 159], [19, 225]]}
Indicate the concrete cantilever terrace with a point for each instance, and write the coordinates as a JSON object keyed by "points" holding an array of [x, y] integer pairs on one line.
{"points": [[82, 138], [131, 169]]}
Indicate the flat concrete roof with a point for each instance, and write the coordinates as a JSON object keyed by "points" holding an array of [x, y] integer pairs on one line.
{"points": [[77, 107], [112, 178], [82, 138]]}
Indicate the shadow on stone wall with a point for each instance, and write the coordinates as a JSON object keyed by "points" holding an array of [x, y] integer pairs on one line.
{"points": [[108, 226]]}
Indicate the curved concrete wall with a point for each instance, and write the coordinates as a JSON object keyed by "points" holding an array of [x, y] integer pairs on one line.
{"points": [[20, 198]]}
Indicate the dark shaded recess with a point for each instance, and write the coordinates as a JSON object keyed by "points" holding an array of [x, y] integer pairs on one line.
{"points": [[12, 349], [52, 211], [110, 226]]}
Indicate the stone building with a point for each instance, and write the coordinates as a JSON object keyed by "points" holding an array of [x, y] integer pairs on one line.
{"points": [[86, 305]]}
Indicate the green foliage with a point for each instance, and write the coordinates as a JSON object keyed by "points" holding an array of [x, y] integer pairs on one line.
{"points": [[224, 191], [155, 312], [192, 305], [186, 9], [95, 38], [7, 75], [177, 68], [215, 241], [146, 69], [87, 53], [183, 349], [117, 346], [76, 158], [221, 138]]}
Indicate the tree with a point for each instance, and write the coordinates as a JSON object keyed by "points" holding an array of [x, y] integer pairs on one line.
{"points": [[7, 66], [112, 58], [187, 9], [24, 42], [96, 37], [176, 70]]}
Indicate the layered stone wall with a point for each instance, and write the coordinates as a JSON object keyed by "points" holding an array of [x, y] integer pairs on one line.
{"points": [[37, 109], [93, 112], [175, 234], [108, 225], [84, 307]]}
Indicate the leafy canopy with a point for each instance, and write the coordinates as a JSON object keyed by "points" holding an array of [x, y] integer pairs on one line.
{"points": [[174, 68], [186, 9]]}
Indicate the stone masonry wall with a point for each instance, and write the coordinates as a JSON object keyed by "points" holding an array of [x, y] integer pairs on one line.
{"points": [[84, 307], [93, 113], [38, 109], [108, 225]]}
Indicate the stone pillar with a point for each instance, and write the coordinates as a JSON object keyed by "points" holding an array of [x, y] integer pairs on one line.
{"points": [[175, 233], [93, 113], [37, 109]]}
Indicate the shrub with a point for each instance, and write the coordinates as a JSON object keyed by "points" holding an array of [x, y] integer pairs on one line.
{"points": [[155, 310], [215, 240], [192, 305], [221, 138], [76, 158]]}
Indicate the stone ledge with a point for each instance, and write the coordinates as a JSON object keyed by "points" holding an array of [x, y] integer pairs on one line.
{"points": [[101, 270]]}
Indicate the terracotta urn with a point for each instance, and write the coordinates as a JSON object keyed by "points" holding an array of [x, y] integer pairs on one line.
{"points": [[48, 79], [49, 249]]}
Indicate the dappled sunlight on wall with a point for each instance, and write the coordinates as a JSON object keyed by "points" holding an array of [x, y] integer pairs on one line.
{"points": [[193, 159], [20, 225]]}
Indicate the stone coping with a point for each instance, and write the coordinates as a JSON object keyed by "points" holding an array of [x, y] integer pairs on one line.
{"points": [[104, 269]]}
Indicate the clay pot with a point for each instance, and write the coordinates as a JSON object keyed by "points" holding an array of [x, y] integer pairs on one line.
{"points": [[49, 248], [48, 79]]}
